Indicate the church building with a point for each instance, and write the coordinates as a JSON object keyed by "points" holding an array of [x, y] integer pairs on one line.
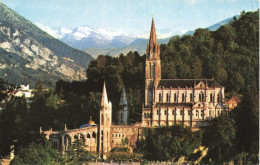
{"points": [[189, 102]]}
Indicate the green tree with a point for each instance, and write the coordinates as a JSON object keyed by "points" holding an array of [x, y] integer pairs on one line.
{"points": [[196, 68], [53, 101], [14, 125], [37, 154], [220, 139], [76, 153], [38, 94], [168, 142]]}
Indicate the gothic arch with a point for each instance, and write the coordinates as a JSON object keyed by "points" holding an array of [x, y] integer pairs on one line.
{"points": [[67, 141], [94, 137]]}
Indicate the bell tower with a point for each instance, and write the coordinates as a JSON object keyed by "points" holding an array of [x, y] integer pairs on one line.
{"points": [[152, 67], [105, 123]]}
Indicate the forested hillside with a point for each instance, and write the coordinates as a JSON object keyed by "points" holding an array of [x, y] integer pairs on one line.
{"points": [[229, 55]]}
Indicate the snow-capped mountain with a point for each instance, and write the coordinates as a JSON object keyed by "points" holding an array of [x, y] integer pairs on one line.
{"points": [[85, 37], [101, 40], [54, 33]]}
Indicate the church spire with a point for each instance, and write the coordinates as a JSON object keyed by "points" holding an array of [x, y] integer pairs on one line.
{"points": [[153, 48], [123, 100], [152, 40], [104, 100]]}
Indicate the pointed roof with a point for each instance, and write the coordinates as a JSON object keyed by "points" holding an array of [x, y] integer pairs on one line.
{"points": [[153, 48], [123, 99], [104, 100], [152, 40]]}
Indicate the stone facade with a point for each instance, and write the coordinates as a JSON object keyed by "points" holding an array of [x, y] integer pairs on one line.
{"points": [[191, 102]]}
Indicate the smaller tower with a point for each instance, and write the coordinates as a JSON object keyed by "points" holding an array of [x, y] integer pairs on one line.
{"points": [[105, 123], [123, 110]]}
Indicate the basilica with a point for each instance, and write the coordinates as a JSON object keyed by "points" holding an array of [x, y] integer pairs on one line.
{"points": [[189, 102]]}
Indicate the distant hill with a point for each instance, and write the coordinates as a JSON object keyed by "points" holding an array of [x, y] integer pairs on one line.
{"points": [[138, 45], [28, 54], [213, 27]]}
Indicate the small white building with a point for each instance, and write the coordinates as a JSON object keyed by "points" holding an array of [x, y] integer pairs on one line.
{"points": [[25, 92]]}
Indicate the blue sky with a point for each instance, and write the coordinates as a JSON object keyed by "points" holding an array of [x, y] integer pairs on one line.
{"points": [[131, 16]]}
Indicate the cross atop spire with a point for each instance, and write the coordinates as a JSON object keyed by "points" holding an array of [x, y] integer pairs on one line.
{"points": [[104, 100], [153, 48]]}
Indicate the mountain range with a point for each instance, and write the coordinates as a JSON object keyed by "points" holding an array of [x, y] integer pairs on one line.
{"points": [[105, 41], [113, 42], [28, 54]]}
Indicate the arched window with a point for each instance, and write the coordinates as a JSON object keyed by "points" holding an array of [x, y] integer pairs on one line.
{"points": [[175, 97], [172, 112], [219, 98], [94, 136], [88, 136], [203, 99], [160, 97], [102, 119], [153, 71], [191, 98], [211, 97], [165, 112], [183, 97], [200, 97], [197, 112], [167, 97], [150, 70]]}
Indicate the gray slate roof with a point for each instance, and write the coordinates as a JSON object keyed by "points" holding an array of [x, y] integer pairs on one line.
{"points": [[183, 83]]}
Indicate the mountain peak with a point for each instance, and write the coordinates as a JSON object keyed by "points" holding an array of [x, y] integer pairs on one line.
{"points": [[28, 54]]}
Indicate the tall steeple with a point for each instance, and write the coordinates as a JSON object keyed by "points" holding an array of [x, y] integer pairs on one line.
{"points": [[153, 48], [152, 67], [104, 100], [123, 100]]}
